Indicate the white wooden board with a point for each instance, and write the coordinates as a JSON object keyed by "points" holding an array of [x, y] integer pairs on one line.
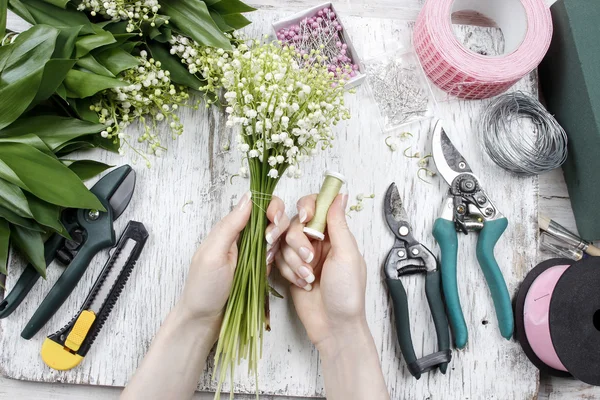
{"points": [[196, 169]]}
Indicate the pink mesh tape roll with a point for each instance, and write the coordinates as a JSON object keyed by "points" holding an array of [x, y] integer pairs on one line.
{"points": [[527, 29]]}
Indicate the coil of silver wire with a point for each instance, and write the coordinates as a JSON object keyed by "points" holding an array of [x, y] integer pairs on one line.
{"points": [[505, 141]]}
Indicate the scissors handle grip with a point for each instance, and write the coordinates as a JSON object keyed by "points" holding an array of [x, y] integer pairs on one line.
{"points": [[433, 291], [488, 237], [444, 232]]}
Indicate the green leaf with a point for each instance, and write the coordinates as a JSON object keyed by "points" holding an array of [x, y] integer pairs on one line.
{"points": [[85, 44], [65, 42], [47, 214], [3, 16], [220, 22], [179, 73], [91, 64], [9, 175], [61, 92], [236, 21], [193, 19], [53, 130], [23, 71], [82, 108], [31, 245], [47, 178], [74, 146], [55, 72], [84, 84], [40, 12], [86, 169], [13, 218], [225, 7], [30, 140], [13, 198], [58, 3], [116, 60], [4, 240]]}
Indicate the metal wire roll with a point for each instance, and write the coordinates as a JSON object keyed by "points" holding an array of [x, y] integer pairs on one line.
{"points": [[514, 151]]}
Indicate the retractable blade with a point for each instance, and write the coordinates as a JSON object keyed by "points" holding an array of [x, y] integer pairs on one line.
{"points": [[66, 348]]}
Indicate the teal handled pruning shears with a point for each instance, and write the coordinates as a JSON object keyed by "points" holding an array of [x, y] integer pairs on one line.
{"points": [[409, 257], [468, 208]]}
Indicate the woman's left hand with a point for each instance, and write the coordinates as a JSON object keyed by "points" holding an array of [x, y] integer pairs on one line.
{"points": [[211, 272]]}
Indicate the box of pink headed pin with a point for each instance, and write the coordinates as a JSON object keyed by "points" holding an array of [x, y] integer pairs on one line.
{"points": [[320, 28]]}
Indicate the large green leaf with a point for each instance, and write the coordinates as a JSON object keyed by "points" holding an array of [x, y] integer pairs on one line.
{"points": [[9, 175], [13, 198], [40, 12], [65, 42], [47, 178], [116, 60], [13, 218], [81, 84], [29, 139], [23, 71], [55, 72], [86, 169], [99, 38], [89, 63], [31, 245], [179, 73], [236, 21], [193, 19], [52, 129], [58, 3], [46, 214], [4, 241], [3, 16], [225, 7], [220, 22]]}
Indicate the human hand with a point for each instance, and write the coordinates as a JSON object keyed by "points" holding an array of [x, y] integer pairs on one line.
{"points": [[213, 265], [328, 278]]}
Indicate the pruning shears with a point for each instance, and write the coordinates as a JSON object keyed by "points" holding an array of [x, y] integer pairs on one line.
{"points": [[90, 231], [409, 257], [468, 208]]}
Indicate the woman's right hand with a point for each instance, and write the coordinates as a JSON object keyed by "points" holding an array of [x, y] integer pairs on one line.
{"points": [[328, 278]]}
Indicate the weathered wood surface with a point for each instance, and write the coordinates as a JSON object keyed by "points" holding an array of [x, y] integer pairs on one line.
{"points": [[157, 283]]}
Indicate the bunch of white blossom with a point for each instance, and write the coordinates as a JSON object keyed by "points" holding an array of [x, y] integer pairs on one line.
{"points": [[135, 12], [149, 98], [283, 113]]}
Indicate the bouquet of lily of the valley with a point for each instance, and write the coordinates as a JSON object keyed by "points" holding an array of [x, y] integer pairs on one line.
{"points": [[283, 114]]}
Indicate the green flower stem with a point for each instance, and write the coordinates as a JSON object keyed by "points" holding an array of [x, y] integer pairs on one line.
{"points": [[246, 314]]}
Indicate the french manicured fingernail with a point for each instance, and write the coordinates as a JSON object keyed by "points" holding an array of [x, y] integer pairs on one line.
{"points": [[306, 254], [302, 215], [304, 285], [306, 274], [270, 255], [244, 200], [273, 235], [277, 218], [344, 200]]}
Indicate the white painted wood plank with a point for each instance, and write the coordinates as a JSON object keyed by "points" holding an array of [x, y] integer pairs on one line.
{"points": [[195, 169], [553, 202]]}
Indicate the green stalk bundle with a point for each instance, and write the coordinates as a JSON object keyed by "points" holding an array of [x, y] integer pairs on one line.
{"points": [[247, 312]]}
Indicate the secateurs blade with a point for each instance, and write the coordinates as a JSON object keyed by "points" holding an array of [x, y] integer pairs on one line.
{"points": [[66, 348], [409, 257], [90, 231], [468, 208]]}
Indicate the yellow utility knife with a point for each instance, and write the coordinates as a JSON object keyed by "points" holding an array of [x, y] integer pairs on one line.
{"points": [[66, 348]]}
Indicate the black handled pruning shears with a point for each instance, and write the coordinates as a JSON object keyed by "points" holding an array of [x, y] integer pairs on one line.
{"points": [[409, 257], [90, 232]]}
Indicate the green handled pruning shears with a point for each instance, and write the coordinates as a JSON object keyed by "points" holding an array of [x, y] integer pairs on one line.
{"points": [[409, 257], [468, 208]]}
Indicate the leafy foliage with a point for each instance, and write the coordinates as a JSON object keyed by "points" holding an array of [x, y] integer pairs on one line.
{"points": [[78, 54]]}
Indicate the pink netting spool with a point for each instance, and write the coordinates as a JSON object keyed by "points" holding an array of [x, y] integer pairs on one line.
{"points": [[527, 29]]}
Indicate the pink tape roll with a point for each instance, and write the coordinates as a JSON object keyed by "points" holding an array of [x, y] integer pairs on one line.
{"points": [[536, 314], [527, 29]]}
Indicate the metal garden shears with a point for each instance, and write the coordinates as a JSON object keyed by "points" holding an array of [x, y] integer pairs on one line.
{"points": [[468, 208], [409, 257]]}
